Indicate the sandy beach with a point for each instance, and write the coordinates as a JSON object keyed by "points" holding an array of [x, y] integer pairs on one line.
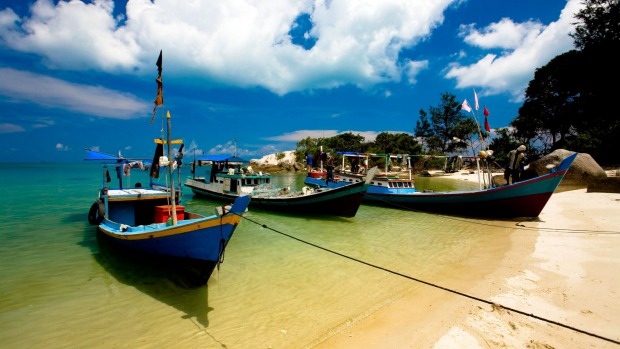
{"points": [[557, 287]]}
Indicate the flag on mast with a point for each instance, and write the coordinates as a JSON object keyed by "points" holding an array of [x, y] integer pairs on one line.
{"points": [[476, 100], [159, 100], [486, 121], [465, 106]]}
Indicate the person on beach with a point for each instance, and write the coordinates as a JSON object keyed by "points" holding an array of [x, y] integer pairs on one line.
{"points": [[309, 161], [516, 162], [354, 165], [330, 169]]}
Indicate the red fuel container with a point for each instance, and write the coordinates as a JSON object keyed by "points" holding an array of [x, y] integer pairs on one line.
{"points": [[162, 213]]}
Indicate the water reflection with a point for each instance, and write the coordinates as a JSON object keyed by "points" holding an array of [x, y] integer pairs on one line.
{"points": [[169, 281]]}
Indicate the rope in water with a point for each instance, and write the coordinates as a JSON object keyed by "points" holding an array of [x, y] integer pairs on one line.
{"points": [[442, 287]]}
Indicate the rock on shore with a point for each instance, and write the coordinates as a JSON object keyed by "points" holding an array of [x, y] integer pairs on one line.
{"points": [[279, 162]]}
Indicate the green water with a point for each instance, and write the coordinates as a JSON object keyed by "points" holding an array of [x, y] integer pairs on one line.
{"points": [[286, 281]]}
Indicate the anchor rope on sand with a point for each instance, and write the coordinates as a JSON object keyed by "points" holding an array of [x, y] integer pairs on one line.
{"points": [[493, 304]]}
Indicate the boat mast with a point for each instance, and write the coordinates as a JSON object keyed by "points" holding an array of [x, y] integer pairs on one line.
{"points": [[172, 188]]}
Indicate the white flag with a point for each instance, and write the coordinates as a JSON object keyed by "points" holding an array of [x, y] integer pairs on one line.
{"points": [[465, 106], [476, 100]]}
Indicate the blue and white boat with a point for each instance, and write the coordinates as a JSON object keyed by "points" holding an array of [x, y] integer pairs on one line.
{"points": [[226, 177], [522, 199], [151, 220], [382, 183]]}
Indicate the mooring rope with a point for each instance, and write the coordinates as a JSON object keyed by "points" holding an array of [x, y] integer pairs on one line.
{"points": [[438, 286]]}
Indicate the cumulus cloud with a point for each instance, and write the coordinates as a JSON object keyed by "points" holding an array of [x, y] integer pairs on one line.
{"points": [[525, 47], [278, 45], [234, 43]]}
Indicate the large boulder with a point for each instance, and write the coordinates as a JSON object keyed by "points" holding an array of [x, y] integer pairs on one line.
{"points": [[583, 172]]}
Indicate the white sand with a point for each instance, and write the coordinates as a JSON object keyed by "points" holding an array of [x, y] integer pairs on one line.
{"points": [[563, 268]]}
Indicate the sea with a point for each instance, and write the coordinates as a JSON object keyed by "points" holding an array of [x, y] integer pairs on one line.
{"points": [[285, 281]]}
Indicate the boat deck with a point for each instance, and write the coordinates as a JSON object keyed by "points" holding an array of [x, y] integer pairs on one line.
{"points": [[136, 194]]}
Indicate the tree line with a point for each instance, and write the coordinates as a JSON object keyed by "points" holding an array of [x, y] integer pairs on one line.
{"points": [[569, 104]]}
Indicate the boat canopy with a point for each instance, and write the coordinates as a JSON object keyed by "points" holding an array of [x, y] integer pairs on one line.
{"points": [[98, 156], [370, 155], [94, 155]]}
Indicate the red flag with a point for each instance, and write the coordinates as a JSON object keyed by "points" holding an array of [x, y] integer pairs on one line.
{"points": [[486, 123], [486, 111], [465, 106]]}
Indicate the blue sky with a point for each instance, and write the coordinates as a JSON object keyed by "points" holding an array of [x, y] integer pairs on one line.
{"points": [[81, 74]]}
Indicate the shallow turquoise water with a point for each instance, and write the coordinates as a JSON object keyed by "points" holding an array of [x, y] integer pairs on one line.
{"points": [[286, 281]]}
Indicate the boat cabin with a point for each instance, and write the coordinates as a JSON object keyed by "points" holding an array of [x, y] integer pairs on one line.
{"points": [[225, 174]]}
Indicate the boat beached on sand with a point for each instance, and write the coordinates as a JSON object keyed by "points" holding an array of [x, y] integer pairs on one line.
{"points": [[226, 178], [150, 219], [522, 199]]}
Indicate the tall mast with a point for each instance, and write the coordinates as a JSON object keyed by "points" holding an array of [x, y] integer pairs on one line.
{"points": [[172, 188]]}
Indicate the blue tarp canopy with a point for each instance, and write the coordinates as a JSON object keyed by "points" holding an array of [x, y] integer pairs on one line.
{"points": [[110, 159], [351, 153], [98, 156], [220, 158]]}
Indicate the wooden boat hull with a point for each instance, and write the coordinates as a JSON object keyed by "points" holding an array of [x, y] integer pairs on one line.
{"points": [[378, 185], [202, 238], [198, 241], [343, 201], [522, 199]]}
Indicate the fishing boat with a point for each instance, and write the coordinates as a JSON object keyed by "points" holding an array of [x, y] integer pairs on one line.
{"points": [[227, 177], [522, 199], [151, 220], [385, 182]]}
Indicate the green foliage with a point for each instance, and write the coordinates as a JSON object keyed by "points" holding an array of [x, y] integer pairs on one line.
{"points": [[394, 143], [385, 142], [567, 104], [446, 123], [599, 24]]}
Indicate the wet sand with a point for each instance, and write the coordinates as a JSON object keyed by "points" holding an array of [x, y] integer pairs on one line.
{"points": [[558, 286]]}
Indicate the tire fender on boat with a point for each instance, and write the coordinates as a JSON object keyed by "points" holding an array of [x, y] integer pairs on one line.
{"points": [[96, 213]]}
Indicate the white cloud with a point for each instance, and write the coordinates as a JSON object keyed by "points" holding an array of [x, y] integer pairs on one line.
{"points": [[55, 93], [303, 134], [245, 43], [239, 43], [527, 46], [62, 147], [10, 128], [296, 136], [504, 34]]}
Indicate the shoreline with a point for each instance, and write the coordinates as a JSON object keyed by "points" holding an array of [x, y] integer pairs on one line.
{"points": [[555, 287]]}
